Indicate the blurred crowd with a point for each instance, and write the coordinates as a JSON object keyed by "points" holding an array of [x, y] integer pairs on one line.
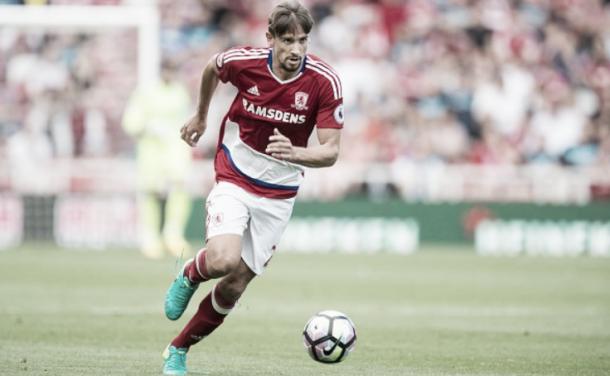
{"points": [[428, 81]]}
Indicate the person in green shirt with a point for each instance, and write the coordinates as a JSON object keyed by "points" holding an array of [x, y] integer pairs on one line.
{"points": [[153, 116]]}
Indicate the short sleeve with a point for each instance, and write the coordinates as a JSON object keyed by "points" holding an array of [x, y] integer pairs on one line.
{"points": [[230, 62], [330, 110], [227, 71]]}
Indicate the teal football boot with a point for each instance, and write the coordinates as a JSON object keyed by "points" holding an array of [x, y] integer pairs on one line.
{"points": [[179, 295], [175, 361]]}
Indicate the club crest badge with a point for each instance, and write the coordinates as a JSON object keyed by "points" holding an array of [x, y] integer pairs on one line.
{"points": [[300, 100]]}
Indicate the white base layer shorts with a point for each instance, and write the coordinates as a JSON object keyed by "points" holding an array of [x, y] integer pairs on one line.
{"points": [[259, 220]]}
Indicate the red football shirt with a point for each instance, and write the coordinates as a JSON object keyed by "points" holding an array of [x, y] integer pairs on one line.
{"points": [[312, 98]]}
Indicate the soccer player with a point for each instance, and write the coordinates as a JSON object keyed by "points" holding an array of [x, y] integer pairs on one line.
{"points": [[152, 116], [283, 94]]}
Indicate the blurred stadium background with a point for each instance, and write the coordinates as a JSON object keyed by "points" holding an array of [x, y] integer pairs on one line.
{"points": [[500, 103], [472, 128]]}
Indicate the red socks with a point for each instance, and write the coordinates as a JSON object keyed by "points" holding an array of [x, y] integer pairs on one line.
{"points": [[197, 270], [211, 313]]}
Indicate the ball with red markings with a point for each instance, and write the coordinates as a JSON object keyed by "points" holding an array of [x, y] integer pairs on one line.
{"points": [[329, 336]]}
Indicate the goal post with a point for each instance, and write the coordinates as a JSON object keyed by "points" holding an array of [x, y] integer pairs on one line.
{"points": [[75, 220], [144, 18]]}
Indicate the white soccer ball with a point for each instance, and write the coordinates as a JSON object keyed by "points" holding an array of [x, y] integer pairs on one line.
{"points": [[329, 336]]}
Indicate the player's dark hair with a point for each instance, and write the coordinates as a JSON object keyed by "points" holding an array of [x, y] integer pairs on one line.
{"points": [[286, 16]]}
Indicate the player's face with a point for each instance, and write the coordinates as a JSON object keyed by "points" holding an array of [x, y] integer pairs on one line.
{"points": [[289, 49]]}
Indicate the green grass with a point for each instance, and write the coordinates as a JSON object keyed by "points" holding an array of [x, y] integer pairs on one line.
{"points": [[435, 313]]}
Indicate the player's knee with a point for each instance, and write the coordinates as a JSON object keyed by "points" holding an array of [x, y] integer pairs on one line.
{"points": [[221, 261]]}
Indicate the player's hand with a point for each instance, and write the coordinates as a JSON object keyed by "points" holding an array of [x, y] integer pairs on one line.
{"points": [[280, 146], [193, 130]]}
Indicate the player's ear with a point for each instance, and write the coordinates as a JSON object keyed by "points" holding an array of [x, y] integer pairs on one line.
{"points": [[270, 39]]}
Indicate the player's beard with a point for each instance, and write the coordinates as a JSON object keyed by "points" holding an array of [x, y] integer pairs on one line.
{"points": [[288, 68]]}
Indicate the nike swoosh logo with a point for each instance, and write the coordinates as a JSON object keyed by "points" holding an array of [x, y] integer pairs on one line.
{"points": [[327, 352]]}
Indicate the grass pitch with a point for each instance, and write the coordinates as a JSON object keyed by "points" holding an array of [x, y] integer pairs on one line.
{"points": [[439, 312]]}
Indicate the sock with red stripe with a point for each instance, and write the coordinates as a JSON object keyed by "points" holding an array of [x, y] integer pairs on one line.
{"points": [[210, 315], [197, 270]]}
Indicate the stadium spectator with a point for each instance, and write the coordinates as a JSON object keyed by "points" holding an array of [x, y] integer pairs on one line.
{"points": [[29, 150], [485, 64]]}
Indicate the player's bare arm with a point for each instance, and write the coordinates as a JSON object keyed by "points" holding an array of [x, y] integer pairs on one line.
{"points": [[322, 155], [194, 128]]}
